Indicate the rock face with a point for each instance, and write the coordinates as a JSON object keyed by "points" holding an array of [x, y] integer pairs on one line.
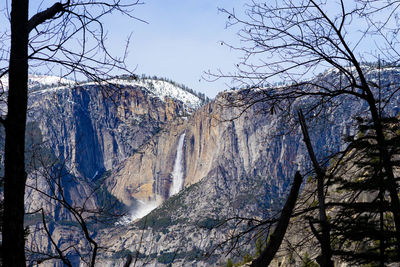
{"points": [[230, 168], [76, 134], [238, 167], [94, 133], [88, 133], [240, 147]]}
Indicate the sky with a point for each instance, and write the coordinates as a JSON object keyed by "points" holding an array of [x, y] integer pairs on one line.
{"points": [[180, 41]]}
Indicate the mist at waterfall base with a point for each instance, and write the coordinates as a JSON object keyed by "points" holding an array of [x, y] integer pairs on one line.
{"points": [[142, 209], [145, 207]]}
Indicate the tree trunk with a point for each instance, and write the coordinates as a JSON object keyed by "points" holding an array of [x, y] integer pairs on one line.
{"points": [[324, 238], [14, 166], [277, 236]]}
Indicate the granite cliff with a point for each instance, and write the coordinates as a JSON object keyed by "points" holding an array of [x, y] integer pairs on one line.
{"points": [[231, 168], [139, 141], [76, 133]]}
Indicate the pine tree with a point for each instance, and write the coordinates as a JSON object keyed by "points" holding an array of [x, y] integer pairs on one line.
{"points": [[363, 227]]}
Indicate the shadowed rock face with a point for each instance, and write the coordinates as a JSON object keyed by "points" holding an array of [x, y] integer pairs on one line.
{"points": [[89, 133], [93, 132]]}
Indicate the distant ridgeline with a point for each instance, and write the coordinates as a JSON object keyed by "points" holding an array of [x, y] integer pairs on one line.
{"points": [[41, 82], [205, 99], [383, 66]]}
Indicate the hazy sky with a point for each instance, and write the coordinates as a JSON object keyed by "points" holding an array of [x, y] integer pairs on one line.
{"points": [[180, 41]]}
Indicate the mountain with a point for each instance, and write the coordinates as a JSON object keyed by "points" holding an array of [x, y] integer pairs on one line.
{"points": [[231, 168], [149, 144], [76, 133], [94, 126]]}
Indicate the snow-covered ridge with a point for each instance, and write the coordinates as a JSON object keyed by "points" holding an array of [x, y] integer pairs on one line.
{"points": [[48, 80], [162, 89], [39, 81], [156, 88], [42, 84], [367, 69]]}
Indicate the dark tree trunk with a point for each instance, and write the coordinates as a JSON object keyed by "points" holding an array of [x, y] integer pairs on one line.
{"points": [[325, 260], [267, 255], [14, 166]]}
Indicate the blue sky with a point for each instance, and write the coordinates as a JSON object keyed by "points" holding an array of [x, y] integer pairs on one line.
{"points": [[180, 40]]}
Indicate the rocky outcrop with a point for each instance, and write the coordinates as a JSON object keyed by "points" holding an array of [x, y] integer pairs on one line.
{"points": [[253, 145]]}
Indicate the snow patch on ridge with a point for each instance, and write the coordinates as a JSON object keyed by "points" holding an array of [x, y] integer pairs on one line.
{"points": [[39, 80], [40, 84], [163, 89], [48, 80]]}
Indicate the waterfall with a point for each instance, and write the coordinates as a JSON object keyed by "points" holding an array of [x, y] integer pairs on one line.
{"points": [[145, 207], [177, 173]]}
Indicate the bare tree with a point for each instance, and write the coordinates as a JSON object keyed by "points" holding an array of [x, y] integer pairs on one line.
{"points": [[292, 41], [51, 36]]}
